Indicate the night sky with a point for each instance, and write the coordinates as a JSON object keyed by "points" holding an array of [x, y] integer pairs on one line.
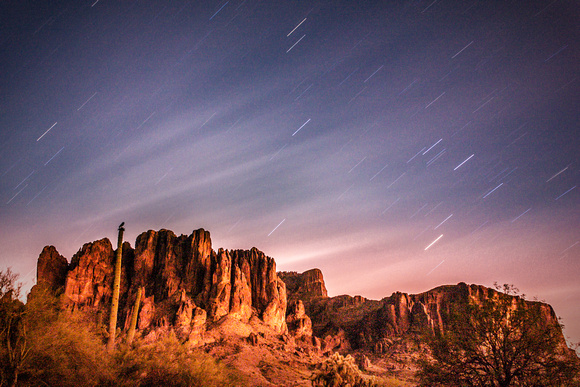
{"points": [[396, 145]]}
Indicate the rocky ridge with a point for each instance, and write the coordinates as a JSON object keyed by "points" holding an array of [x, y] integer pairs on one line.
{"points": [[187, 285], [357, 323], [205, 296]]}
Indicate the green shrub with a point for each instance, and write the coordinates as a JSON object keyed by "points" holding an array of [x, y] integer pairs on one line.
{"points": [[44, 344], [64, 349], [167, 362]]}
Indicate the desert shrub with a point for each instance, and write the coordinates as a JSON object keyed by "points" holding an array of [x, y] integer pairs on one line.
{"points": [[167, 362], [42, 344], [340, 370], [64, 349]]}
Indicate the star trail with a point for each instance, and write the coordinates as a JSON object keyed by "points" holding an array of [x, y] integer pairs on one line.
{"points": [[347, 136]]}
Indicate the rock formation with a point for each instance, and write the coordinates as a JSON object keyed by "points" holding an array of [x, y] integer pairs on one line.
{"points": [[299, 324], [187, 284], [304, 286], [189, 287], [346, 322], [51, 269]]}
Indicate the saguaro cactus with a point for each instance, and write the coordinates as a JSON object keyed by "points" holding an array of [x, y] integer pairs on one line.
{"points": [[134, 316], [116, 291]]}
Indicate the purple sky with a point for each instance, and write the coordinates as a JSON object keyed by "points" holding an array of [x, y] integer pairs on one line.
{"points": [[399, 146]]}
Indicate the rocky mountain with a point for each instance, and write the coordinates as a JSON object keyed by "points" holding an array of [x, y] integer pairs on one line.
{"points": [[187, 285], [203, 296], [357, 323]]}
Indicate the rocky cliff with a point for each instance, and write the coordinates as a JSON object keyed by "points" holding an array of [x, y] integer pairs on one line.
{"points": [[304, 286], [187, 285], [51, 268], [356, 323]]}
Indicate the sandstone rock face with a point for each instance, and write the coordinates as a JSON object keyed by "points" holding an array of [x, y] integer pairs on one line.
{"points": [[51, 269], [299, 324], [356, 322], [90, 276], [268, 292], [190, 320], [187, 285], [220, 295], [304, 286]]}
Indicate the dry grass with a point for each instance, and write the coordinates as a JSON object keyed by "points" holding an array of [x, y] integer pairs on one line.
{"points": [[167, 362], [60, 348]]}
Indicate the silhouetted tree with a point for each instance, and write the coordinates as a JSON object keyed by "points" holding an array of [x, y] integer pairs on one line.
{"points": [[501, 341]]}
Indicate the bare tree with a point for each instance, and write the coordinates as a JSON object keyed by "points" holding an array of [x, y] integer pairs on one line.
{"points": [[9, 284], [14, 348]]}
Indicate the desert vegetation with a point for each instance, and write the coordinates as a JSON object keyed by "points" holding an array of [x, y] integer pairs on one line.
{"points": [[338, 370], [42, 344], [167, 362], [492, 339]]}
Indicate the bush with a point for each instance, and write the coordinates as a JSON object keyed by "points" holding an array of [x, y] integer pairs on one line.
{"points": [[41, 344], [339, 370], [167, 362], [64, 349], [52, 346], [13, 348]]}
